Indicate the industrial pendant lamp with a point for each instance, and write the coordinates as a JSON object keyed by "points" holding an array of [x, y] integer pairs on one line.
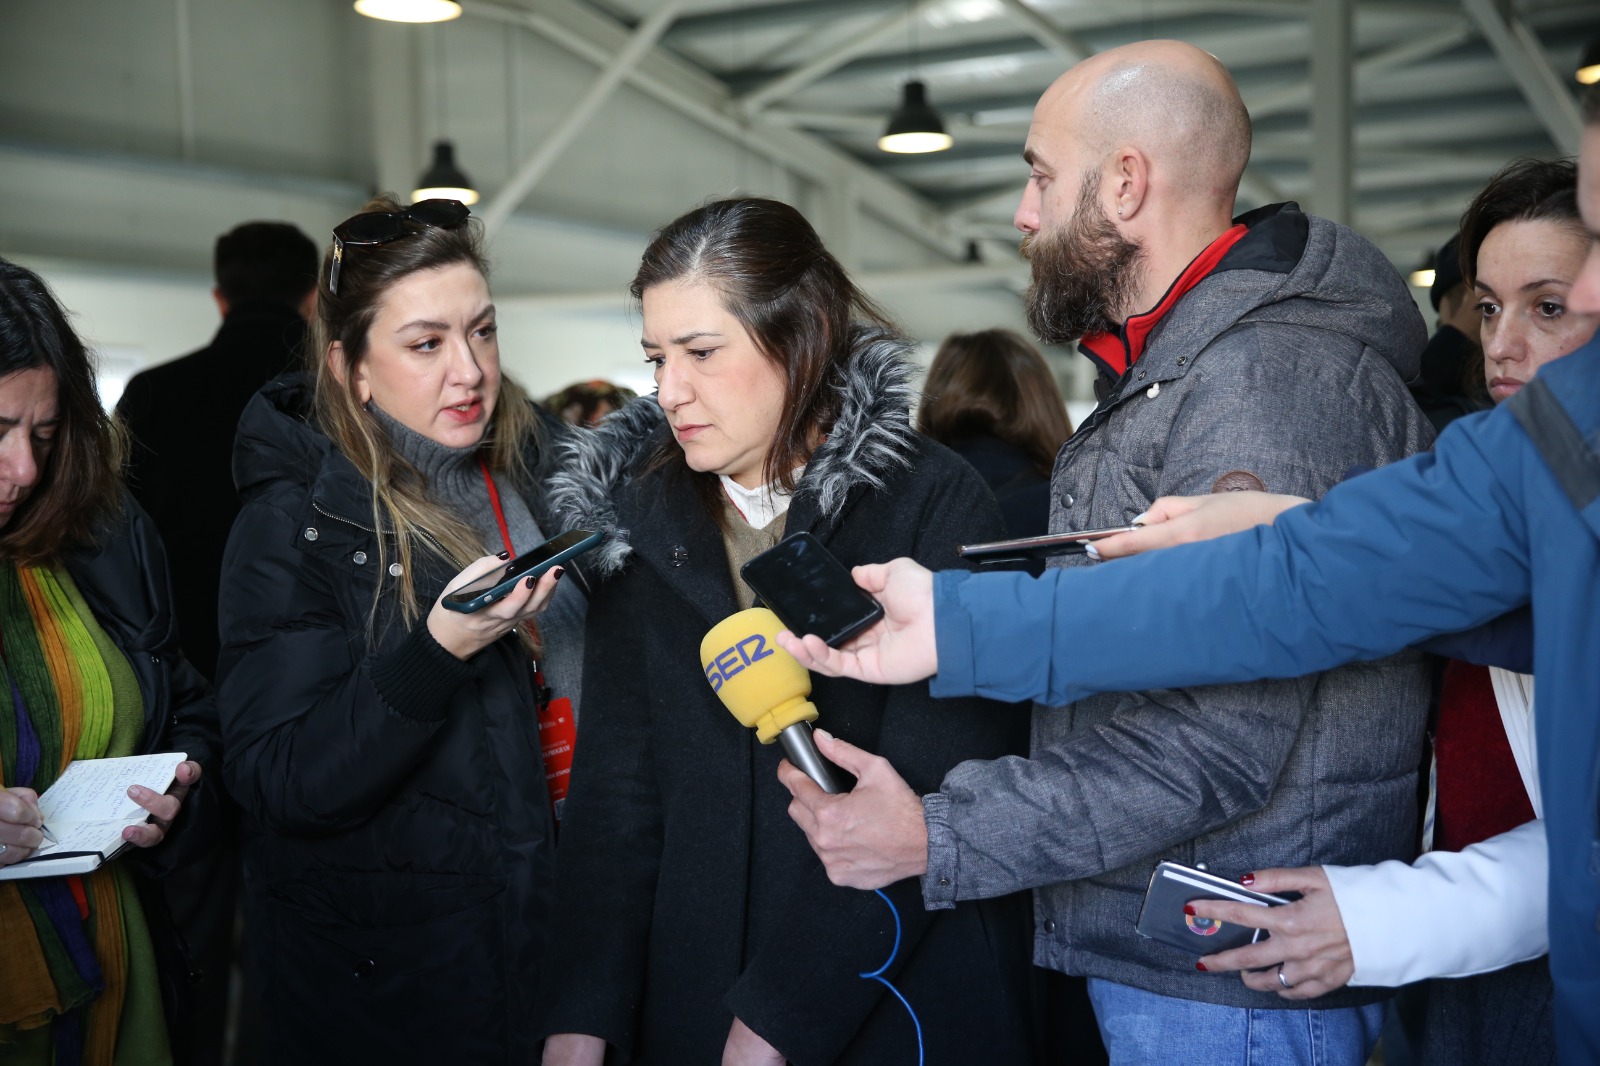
{"points": [[1588, 72], [915, 126], [443, 180], [409, 10]]}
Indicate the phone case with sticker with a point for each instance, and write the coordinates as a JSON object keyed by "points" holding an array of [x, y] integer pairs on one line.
{"points": [[1171, 886]]}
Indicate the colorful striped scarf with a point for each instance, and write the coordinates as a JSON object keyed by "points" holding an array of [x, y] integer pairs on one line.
{"points": [[64, 962]]}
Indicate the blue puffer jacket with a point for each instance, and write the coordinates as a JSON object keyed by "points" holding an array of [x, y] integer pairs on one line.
{"points": [[1439, 543]]}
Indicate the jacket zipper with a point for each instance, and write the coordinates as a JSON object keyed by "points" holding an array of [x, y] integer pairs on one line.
{"points": [[315, 506]]}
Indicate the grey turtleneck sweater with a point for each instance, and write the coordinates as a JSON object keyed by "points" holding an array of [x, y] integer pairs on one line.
{"points": [[455, 481]]}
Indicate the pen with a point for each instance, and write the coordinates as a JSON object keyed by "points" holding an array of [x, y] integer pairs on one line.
{"points": [[51, 837]]}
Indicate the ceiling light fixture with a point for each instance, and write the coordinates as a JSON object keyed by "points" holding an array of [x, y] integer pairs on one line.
{"points": [[915, 126], [443, 180], [1588, 72], [409, 10]]}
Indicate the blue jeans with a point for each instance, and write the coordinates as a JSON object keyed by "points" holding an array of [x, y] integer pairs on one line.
{"points": [[1141, 1027]]}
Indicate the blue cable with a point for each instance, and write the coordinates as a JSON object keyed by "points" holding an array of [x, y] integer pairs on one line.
{"points": [[877, 975]]}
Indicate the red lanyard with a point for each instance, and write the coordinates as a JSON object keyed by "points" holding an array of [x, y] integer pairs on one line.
{"points": [[494, 502], [556, 720], [505, 537]]}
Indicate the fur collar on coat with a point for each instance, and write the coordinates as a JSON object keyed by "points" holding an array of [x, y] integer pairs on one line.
{"points": [[870, 439]]}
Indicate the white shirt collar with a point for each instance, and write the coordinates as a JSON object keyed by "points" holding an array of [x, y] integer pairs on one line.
{"points": [[759, 505]]}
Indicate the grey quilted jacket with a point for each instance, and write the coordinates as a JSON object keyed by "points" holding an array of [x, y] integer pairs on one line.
{"points": [[1285, 368]]}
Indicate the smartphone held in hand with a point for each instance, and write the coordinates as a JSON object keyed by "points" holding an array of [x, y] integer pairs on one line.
{"points": [[1171, 886], [1073, 542], [495, 585], [810, 591]]}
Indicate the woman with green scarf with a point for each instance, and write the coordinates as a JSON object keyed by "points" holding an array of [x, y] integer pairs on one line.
{"points": [[89, 669]]}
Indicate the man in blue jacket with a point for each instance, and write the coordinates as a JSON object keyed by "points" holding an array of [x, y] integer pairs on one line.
{"points": [[1505, 512]]}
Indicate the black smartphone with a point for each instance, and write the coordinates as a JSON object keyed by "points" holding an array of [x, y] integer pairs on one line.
{"points": [[1070, 543], [476, 595], [810, 591], [1172, 885]]}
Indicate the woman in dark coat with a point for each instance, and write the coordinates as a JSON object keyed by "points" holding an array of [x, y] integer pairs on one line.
{"points": [[386, 750], [693, 924], [90, 970], [990, 398]]}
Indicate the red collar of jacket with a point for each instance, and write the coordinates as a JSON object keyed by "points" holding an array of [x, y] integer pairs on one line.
{"points": [[1116, 350]]}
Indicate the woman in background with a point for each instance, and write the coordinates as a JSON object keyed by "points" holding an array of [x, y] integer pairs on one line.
{"points": [[694, 923], [89, 970], [585, 403], [386, 750], [991, 398]]}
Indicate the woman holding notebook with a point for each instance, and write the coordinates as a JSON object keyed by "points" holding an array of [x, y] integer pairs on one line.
{"points": [[88, 650]]}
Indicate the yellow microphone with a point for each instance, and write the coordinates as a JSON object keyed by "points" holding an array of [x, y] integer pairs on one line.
{"points": [[766, 688]]}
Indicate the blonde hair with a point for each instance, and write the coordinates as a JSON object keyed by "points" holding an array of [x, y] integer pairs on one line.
{"points": [[401, 506]]}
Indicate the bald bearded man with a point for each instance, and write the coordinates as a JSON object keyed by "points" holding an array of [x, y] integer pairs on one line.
{"points": [[1271, 353]]}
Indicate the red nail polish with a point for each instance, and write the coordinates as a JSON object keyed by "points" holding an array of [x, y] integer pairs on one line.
{"points": [[532, 581], [1201, 967], [1189, 910], [503, 555], [1248, 879], [559, 572]]}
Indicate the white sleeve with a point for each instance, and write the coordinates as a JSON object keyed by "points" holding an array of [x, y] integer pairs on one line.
{"points": [[1449, 914]]}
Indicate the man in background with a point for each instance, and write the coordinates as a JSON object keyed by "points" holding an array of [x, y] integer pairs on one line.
{"points": [[181, 417], [1451, 382]]}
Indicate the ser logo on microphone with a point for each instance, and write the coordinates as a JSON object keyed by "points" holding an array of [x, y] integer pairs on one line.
{"points": [[751, 649]]}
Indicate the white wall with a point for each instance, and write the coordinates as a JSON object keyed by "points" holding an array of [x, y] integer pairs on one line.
{"points": [[130, 320]]}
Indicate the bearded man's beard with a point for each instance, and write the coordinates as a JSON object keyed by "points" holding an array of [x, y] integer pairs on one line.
{"points": [[1084, 275]]}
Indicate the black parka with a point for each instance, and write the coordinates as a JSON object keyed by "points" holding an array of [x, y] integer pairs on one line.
{"points": [[123, 578], [686, 896], [399, 837]]}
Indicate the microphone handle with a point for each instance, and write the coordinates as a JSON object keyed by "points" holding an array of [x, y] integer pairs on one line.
{"points": [[801, 749]]}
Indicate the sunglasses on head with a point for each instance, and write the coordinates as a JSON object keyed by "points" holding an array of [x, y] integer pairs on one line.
{"points": [[381, 227]]}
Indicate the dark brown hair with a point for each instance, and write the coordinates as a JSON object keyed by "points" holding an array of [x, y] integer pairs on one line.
{"points": [[267, 262], [1524, 190], [994, 383], [792, 297], [400, 500], [80, 482], [584, 403]]}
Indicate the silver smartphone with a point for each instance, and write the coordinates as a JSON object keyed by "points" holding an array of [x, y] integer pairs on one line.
{"points": [[1070, 543]]}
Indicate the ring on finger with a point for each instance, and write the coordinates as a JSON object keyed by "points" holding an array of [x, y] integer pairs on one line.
{"points": [[1282, 980]]}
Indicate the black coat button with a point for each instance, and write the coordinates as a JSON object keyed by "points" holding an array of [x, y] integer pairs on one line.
{"points": [[1049, 925], [680, 555], [364, 969]]}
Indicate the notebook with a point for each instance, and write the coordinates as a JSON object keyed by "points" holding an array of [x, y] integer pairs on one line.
{"points": [[87, 809]]}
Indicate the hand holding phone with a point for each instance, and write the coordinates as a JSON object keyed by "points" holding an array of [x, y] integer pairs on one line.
{"points": [[1073, 542], [1172, 886], [477, 594]]}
